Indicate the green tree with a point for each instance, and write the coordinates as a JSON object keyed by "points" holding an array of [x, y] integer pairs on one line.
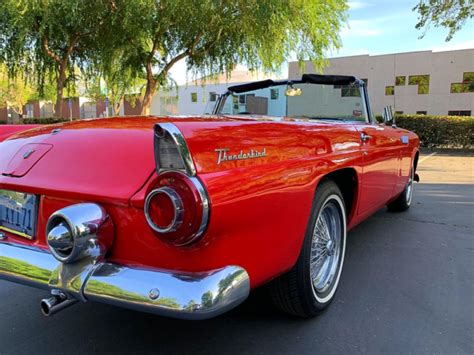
{"points": [[50, 38], [450, 14], [212, 36], [15, 92]]}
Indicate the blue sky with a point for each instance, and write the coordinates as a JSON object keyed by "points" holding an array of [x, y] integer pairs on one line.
{"points": [[381, 27]]}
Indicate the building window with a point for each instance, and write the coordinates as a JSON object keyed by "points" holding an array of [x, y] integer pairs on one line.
{"points": [[423, 82], [350, 91], [389, 90], [212, 97], [459, 113], [243, 98], [400, 80], [421, 112], [194, 97], [399, 112], [467, 84], [274, 93]]}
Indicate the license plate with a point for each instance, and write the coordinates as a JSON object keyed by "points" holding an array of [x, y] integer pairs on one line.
{"points": [[18, 212]]}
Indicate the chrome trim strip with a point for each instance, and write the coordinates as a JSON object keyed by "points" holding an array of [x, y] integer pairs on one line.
{"points": [[168, 293], [184, 295], [181, 144]]}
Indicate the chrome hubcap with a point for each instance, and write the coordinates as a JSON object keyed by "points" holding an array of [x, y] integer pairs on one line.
{"points": [[326, 247]]}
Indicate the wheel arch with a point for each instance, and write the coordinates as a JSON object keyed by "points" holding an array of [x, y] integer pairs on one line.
{"points": [[415, 159], [347, 180]]}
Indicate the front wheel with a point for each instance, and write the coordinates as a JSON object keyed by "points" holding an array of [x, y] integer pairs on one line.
{"points": [[309, 287]]}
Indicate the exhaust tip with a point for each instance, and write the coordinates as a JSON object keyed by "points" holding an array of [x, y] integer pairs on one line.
{"points": [[53, 305], [47, 304]]}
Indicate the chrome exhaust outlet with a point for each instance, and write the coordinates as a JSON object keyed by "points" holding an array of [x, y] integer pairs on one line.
{"points": [[55, 304]]}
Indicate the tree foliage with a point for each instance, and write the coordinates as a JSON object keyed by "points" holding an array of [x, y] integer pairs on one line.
{"points": [[15, 92], [47, 39], [133, 45], [450, 14], [213, 36]]}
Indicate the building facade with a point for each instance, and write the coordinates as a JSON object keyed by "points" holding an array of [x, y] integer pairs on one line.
{"points": [[200, 96], [435, 83]]}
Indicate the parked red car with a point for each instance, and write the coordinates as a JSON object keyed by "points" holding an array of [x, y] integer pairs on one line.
{"points": [[183, 216]]}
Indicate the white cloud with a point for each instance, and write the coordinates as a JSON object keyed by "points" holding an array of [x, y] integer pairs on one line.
{"points": [[355, 5], [346, 52], [449, 46], [360, 28]]}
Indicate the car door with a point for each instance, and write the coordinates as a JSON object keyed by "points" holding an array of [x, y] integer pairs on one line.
{"points": [[380, 146]]}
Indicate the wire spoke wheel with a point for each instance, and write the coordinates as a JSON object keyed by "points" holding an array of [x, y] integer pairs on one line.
{"points": [[326, 248], [309, 287]]}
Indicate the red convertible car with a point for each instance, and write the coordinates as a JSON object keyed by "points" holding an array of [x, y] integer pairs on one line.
{"points": [[183, 216]]}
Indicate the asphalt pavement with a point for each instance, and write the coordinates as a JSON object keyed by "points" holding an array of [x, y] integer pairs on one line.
{"points": [[407, 287]]}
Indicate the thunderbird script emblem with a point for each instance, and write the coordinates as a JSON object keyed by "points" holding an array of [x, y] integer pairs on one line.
{"points": [[223, 155]]}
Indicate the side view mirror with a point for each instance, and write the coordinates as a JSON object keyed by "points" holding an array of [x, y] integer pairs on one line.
{"points": [[388, 117]]}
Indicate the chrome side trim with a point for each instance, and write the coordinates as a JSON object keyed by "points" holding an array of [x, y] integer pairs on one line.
{"points": [[206, 206], [181, 144], [167, 293], [26, 265]]}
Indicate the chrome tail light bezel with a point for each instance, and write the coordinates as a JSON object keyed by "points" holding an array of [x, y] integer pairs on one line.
{"points": [[187, 170], [177, 205], [202, 200]]}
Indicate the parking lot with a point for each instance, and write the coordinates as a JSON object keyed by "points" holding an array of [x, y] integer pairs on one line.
{"points": [[407, 287]]}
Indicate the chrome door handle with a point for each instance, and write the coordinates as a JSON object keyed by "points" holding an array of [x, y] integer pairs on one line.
{"points": [[365, 137]]}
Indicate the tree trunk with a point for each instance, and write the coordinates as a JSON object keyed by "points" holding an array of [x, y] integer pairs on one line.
{"points": [[150, 87], [58, 107], [117, 106], [148, 98]]}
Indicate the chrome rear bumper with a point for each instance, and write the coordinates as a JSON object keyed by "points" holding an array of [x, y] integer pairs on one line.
{"points": [[163, 292]]}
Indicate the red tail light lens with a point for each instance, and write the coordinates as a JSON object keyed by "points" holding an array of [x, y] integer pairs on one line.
{"points": [[177, 209], [165, 210]]}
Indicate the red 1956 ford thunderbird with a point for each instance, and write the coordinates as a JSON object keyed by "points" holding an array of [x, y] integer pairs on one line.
{"points": [[183, 216]]}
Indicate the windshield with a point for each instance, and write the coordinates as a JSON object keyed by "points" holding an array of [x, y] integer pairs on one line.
{"points": [[302, 100]]}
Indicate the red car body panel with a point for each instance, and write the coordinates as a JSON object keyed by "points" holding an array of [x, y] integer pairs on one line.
{"points": [[259, 207], [9, 130]]}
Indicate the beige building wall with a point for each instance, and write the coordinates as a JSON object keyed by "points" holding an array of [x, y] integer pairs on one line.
{"points": [[444, 68]]}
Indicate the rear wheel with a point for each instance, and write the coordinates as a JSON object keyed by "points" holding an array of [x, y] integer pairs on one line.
{"points": [[403, 202], [309, 287]]}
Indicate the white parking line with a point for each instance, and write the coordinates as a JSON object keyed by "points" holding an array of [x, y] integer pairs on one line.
{"points": [[427, 157]]}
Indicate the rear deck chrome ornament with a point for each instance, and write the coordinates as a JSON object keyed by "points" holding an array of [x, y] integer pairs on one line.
{"points": [[223, 155]]}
